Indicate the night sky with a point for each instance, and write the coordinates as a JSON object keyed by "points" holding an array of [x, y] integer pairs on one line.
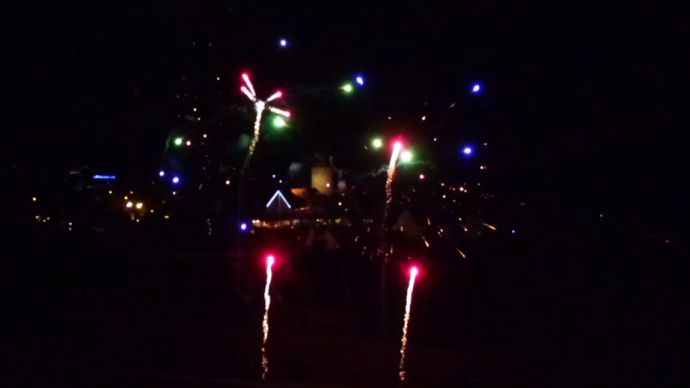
{"points": [[578, 101]]}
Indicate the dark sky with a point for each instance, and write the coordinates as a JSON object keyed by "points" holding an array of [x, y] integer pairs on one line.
{"points": [[579, 98]]}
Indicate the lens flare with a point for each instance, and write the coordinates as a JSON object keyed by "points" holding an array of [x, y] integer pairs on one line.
{"points": [[414, 271], [270, 260]]}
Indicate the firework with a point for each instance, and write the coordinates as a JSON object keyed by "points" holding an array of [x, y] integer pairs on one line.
{"points": [[406, 320], [270, 260], [259, 106]]}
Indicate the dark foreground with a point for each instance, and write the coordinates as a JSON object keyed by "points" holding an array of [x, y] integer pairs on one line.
{"points": [[138, 309]]}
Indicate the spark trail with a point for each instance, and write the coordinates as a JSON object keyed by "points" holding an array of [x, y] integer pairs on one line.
{"points": [[390, 175], [259, 107], [270, 260], [406, 320]]}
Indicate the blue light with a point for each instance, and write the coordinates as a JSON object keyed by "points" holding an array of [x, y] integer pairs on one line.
{"points": [[243, 226], [161, 173], [360, 80], [476, 88], [99, 177], [467, 150], [283, 43], [176, 180]]}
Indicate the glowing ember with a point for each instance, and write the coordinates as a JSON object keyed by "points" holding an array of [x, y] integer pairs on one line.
{"points": [[414, 271], [270, 260]]}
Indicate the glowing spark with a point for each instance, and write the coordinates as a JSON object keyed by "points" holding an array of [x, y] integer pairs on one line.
{"points": [[248, 93], [406, 320], [425, 242], [464, 256], [270, 260], [259, 106], [489, 226], [245, 77], [279, 122], [279, 111], [283, 43], [406, 156], [377, 143], [390, 174], [275, 95]]}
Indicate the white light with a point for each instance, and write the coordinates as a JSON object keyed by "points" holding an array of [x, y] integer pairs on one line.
{"points": [[279, 111], [189, 142], [283, 43], [276, 195], [139, 205], [245, 77], [204, 136], [129, 204], [193, 109], [360, 80], [248, 93], [275, 95], [227, 182], [273, 176], [34, 199], [217, 78], [161, 173], [423, 118]]}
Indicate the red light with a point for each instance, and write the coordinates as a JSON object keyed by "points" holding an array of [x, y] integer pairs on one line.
{"points": [[397, 142], [414, 271]]}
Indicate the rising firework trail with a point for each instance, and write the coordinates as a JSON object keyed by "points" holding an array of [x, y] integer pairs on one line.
{"points": [[390, 174], [406, 320], [270, 260]]}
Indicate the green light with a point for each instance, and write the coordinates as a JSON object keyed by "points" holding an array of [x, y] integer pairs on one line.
{"points": [[279, 122], [406, 156], [178, 141], [377, 143], [347, 88]]}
